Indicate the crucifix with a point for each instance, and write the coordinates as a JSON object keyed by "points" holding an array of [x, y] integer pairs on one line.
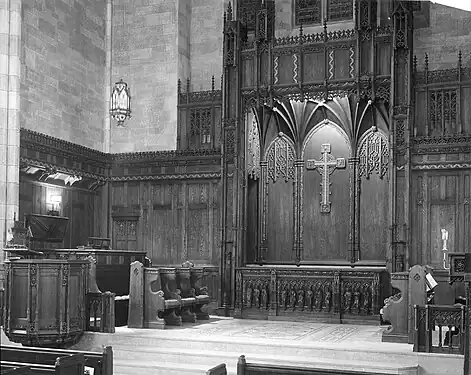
{"points": [[326, 166]]}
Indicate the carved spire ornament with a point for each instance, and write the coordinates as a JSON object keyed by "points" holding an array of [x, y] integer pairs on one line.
{"points": [[253, 149]]}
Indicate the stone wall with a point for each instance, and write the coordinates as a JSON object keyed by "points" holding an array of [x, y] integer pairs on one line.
{"points": [[145, 54], [63, 64], [449, 32], [206, 42]]}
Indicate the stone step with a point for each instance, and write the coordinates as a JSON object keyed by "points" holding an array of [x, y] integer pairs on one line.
{"points": [[153, 357], [389, 354]]}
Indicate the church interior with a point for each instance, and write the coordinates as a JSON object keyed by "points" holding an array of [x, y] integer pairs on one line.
{"points": [[235, 187]]}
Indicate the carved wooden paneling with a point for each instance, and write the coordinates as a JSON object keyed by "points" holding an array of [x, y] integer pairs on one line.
{"points": [[374, 213], [316, 67], [442, 202], [82, 207], [279, 219], [325, 232], [174, 221]]}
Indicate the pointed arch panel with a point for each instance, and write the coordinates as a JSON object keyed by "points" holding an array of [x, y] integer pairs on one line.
{"points": [[279, 200], [325, 194], [373, 169]]}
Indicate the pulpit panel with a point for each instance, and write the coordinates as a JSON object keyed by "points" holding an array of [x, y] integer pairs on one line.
{"points": [[325, 196]]}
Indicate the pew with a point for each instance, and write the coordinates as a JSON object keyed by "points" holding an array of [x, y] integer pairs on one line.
{"points": [[102, 363], [22, 370], [217, 370], [245, 368], [164, 295], [71, 364]]}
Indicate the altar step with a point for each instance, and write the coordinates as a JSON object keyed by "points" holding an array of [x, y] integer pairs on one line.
{"points": [[173, 351], [178, 361]]}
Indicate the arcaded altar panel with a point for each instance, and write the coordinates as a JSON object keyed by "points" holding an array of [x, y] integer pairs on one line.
{"points": [[325, 234]]}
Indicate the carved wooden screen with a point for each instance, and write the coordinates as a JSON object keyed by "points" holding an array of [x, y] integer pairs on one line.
{"points": [[339, 10], [278, 217], [442, 112], [200, 128], [125, 234], [307, 12], [196, 247], [373, 172]]}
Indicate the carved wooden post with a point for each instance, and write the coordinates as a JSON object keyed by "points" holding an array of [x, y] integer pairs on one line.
{"points": [[400, 120], [467, 346], [230, 246]]}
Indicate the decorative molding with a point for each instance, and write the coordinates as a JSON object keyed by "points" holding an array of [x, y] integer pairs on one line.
{"points": [[442, 166], [183, 176], [165, 155], [50, 168]]}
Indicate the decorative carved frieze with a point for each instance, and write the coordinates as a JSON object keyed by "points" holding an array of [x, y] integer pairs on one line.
{"points": [[280, 158], [253, 150]]}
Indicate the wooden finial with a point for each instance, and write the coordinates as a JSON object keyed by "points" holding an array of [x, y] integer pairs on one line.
{"points": [[229, 12], [179, 85], [212, 83], [415, 63], [301, 30], [426, 61], [460, 56], [187, 85]]}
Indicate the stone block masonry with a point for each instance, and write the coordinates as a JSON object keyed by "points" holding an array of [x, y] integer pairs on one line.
{"points": [[63, 69], [145, 55], [448, 33], [10, 36]]}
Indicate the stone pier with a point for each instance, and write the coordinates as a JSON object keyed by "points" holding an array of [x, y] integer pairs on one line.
{"points": [[10, 68]]}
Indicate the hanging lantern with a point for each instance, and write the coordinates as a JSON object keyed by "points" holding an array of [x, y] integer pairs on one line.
{"points": [[120, 102]]}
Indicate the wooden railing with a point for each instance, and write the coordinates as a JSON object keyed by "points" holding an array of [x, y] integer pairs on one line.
{"points": [[439, 329], [100, 312]]}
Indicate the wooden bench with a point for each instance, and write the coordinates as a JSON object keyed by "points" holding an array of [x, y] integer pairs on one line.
{"points": [[218, 370], [21, 370], [71, 364], [102, 363], [244, 368], [165, 295]]}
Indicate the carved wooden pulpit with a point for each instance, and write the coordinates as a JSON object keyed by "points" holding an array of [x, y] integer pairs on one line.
{"points": [[45, 301]]}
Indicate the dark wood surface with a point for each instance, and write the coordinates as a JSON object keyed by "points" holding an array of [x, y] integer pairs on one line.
{"points": [[45, 301], [245, 368], [101, 362]]}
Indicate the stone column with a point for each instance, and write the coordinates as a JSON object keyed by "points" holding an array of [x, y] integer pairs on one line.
{"points": [[10, 67]]}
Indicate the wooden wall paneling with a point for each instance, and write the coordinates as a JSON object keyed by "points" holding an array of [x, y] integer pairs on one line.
{"points": [[162, 224], [216, 223], [145, 221], [373, 218], [420, 111], [284, 70], [442, 207], [248, 75], [466, 229], [315, 66], [383, 58], [465, 109], [341, 63], [400, 211]]}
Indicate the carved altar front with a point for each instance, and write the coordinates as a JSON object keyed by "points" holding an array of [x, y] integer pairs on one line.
{"points": [[334, 295]]}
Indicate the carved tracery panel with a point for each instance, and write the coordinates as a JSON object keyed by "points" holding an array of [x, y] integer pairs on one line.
{"points": [[253, 150], [280, 159], [374, 155]]}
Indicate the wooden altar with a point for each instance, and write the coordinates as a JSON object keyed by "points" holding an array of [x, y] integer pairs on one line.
{"points": [[45, 301], [305, 125]]}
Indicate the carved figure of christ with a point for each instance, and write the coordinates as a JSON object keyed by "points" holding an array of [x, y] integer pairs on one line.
{"points": [[326, 166]]}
